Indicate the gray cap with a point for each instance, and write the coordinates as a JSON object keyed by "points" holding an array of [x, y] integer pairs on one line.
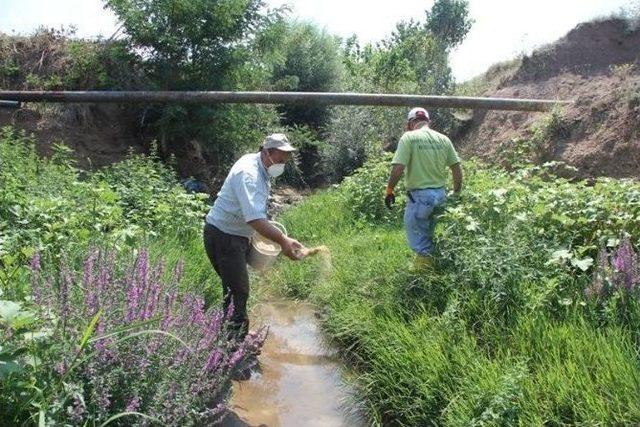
{"points": [[278, 141]]}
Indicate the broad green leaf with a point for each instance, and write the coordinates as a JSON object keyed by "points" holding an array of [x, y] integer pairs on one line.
{"points": [[472, 225], [582, 264], [28, 252], [32, 336], [560, 255], [9, 367], [9, 310], [612, 242]]}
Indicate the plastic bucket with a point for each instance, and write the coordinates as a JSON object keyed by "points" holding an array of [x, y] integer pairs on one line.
{"points": [[263, 252]]}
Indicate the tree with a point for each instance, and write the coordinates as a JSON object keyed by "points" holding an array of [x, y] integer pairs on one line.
{"points": [[413, 59], [201, 45], [448, 21], [189, 43], [310, 62]]}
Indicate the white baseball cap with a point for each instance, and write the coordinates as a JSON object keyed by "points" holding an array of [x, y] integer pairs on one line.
{"points": [[418, 113], [278, 141]]}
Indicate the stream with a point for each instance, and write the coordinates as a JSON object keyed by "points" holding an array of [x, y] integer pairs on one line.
{"points": [[298, 382]]}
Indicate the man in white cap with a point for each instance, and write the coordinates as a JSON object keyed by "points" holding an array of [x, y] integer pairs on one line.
{"points": [[240, 210], [425, 155]]}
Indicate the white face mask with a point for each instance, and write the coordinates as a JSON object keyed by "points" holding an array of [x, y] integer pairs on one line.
{"points": [[276, 169]]}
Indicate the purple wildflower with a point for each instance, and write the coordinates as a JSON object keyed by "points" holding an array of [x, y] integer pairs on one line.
{"points": [[103, 346], [196, 308], [100, 344], [180, 357], [172, 392], [87, 274], [60, 367], [35, 278], [90, 291], [626, 264], [167, 316], [65, 284], [104, 398], [212, 328], [213, 361], [133, 404], [143, 268], [218, 413], [237, 356], [255, 339], [177, 272], [137, 286], [77, 410], [153, 293], [35, 263], [143, 293], [230, 310]]}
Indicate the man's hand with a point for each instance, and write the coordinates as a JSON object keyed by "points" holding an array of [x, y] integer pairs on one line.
{"points": [[292, 249], [389, 198]]}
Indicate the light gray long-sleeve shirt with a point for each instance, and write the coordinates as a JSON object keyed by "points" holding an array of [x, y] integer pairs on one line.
{"points": [[242, 198]]}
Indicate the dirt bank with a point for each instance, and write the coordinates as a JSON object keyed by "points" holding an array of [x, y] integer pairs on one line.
{"points": [[597, 65]]}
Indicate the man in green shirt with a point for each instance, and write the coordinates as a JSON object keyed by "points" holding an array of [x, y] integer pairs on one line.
{"points": [[425, 155]]}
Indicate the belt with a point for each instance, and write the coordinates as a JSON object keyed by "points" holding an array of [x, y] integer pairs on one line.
{"points": [[417, 189], [427, 188]]}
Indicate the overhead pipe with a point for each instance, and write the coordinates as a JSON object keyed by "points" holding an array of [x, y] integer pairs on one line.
{"points": [[316, 98]]}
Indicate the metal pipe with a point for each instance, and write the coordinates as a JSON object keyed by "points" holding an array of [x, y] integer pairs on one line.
{"points": [[322, 98], [9, 104]]}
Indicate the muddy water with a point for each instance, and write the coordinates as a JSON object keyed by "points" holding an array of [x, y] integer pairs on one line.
{"points": [[298, 382]]}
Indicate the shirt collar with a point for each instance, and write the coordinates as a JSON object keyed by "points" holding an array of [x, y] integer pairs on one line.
{"points": [[261, 168]]}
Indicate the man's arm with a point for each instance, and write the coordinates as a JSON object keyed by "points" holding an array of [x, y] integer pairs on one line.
{"points": [[290, 247], [456, 171], [253, 204], [396, 173]]}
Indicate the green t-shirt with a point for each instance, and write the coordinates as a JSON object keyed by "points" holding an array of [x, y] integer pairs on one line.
{"points": [[426, 155]]}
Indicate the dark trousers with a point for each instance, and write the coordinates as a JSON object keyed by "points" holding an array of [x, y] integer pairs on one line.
{"points": [[228, 255]]}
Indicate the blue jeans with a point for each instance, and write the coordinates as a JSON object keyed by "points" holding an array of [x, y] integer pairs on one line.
{"points": [[420, 218]]}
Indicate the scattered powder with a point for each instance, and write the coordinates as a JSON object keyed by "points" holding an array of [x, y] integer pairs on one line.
{"points": [[325, 258]]}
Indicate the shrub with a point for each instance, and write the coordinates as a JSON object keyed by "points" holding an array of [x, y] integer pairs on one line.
{"points": [[46, 204], [351, 139], [364, 194], [148, 192], [306, 168], [56, 60]]}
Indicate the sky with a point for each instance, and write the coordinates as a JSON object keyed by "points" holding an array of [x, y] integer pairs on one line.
{"points": [[503, 29]]}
